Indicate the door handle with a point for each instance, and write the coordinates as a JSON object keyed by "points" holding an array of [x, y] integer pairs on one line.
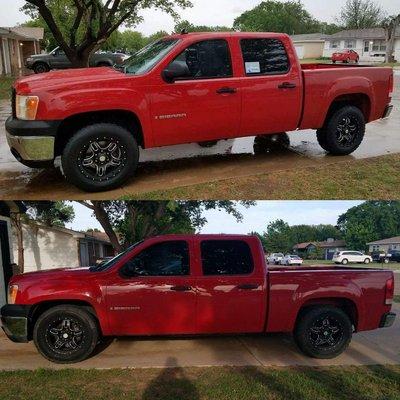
{"points": [[181, 288], [248, 287], [287, 85], [226, 90]]}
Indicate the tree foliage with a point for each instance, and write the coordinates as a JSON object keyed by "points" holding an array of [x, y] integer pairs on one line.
{"points": [[126, 222], [189, 27], [370, 221], [274, 16], [50, 213], [82, 26], [358, 14]]}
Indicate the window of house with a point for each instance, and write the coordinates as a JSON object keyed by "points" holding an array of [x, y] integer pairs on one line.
{"points": [[207, 59], [379, 45], [161, 259], [264, 57], [226, 257], [335, 44], [366, 46], [350, 44]]}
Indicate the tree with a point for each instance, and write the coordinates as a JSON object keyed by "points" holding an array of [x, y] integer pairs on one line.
{"points": [[370, 221], [390, 25], [50, 213], [358, 14], [80, 27], [274, 16], [126, 222], [189, 27], [16, 221]]}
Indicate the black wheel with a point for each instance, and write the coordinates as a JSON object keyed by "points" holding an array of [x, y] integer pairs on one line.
{"points": [[100, 157], [323, 332], [344, 132], [345, 261], [334, 62], [40, 68], [65, 334]]}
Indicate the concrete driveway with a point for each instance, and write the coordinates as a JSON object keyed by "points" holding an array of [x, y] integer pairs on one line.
{"points": [[377, 347], [190, 164]]}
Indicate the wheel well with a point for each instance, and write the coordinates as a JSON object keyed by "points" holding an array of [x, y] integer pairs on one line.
{"points": [[72, 124], [359, 100], [346, 305], [40, 308]]}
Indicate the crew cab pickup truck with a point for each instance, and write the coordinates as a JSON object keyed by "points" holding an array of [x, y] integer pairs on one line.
{"points": [[189, 88], [195, 285]]}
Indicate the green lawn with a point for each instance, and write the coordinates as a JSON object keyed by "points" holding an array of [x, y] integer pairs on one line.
{"points": [[392, 266], [341, 180], [5, 86], [361, 383], [397, 299]]}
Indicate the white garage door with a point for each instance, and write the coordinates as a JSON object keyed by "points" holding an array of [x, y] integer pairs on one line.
{"points": [[300, 51]]}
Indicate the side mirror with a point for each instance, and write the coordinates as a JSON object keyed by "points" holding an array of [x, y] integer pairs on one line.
{"points": [[176, 70]]}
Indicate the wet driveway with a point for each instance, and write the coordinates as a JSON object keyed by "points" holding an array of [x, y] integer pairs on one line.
{"points": [[186, 165]]}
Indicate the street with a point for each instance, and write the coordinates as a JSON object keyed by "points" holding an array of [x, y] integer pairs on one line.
{"points": [[185, 165]]}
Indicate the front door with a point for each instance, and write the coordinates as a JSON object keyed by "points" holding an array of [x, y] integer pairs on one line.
{"points": [[154, 292], [230, 292], [204, 104], [271, 88]]}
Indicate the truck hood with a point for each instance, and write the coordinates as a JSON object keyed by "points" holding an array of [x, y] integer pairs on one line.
{"points": [[59, 273], [67, 78]]}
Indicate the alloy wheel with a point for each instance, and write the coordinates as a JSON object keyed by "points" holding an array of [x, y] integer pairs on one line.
{"points": [[65, 335], [347, 130], [325, 332]]}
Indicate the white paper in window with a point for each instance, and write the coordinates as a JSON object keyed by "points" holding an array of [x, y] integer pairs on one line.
{"points": [[253, 68]]}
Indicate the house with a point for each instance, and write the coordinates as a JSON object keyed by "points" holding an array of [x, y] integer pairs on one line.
{"points": [[16, 45], [50, 247], [7, 208], [385, 245], [329, 248], [370, 43], [310, 45]]}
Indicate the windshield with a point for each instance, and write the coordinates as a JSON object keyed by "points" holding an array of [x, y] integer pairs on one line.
{"points": [[144, 60], [108, 264]]}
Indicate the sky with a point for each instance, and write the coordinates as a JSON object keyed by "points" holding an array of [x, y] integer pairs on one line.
{"points": [[204, 12], [255, 219]]}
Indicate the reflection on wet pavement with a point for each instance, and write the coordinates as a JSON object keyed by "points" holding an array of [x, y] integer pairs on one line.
{"points": [[184, 165]]}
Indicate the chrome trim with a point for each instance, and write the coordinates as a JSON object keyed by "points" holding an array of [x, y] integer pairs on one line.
{"points": [[32, 148], [388, 111]]}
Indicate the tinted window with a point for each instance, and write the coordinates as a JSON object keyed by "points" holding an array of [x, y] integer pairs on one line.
{"points": [[161, 259], [207, 59], [230, 257], [264, 57]]}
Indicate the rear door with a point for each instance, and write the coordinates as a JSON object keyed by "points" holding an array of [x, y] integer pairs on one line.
{"points": [[231, 293], [271, 86]]}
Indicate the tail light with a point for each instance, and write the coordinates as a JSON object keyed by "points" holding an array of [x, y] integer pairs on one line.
{"points": [[389, 292], [391, 85]]}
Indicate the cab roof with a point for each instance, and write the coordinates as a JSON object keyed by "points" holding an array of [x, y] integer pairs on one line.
{"points": [[205, 35]]}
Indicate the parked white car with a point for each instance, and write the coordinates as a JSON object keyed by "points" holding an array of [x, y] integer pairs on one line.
{"points": [[292, 260], [349, 257], [275, 258]]}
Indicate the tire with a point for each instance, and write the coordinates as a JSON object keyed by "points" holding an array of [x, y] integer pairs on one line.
{"points": [[386, 261], [345, 261], [109, 169], [334, 62], [41, 68], [343, 132], [82, 326], [310, 332], [367, 261]]}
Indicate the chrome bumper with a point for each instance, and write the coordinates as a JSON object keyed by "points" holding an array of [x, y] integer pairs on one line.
{"points": [[388, 111], [32, 148]]}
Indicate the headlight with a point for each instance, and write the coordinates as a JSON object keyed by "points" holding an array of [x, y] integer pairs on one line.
{"points": [[26, 107], [12, 293]]}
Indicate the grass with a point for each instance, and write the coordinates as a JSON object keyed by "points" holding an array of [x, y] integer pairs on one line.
{"points": [[392, 266], [357, 179], [5, 86], [223, 383], [397, 299]]}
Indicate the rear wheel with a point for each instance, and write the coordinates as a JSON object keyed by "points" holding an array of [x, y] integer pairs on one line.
{"points": [[100, 157], [323, 332], [345, 261], [40, 68], [343, 132], [66, 334]]}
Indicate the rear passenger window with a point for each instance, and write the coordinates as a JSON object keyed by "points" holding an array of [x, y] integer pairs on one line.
{"points": [[226, 257], [264, 57]]}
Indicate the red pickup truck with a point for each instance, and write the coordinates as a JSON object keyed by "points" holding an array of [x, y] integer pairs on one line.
{"points": [[195, 285], [189, 88]]}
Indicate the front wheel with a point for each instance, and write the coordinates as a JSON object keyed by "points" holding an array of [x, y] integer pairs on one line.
{"points": [[345, 261], [41, 68], [100, 157], [367, 261], [343, 132], [65, 334], [323, 332]]}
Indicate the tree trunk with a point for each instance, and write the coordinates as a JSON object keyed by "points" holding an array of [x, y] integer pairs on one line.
{"points": [[390, 31], [17, 223]]}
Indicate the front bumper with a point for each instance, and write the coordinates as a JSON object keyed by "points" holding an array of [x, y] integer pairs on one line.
{"points": [[15, 322], [387, 320], [388, 111], [32, 140]]}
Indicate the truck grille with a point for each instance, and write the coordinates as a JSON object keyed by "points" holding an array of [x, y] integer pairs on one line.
{"points": [[13, 99]]}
